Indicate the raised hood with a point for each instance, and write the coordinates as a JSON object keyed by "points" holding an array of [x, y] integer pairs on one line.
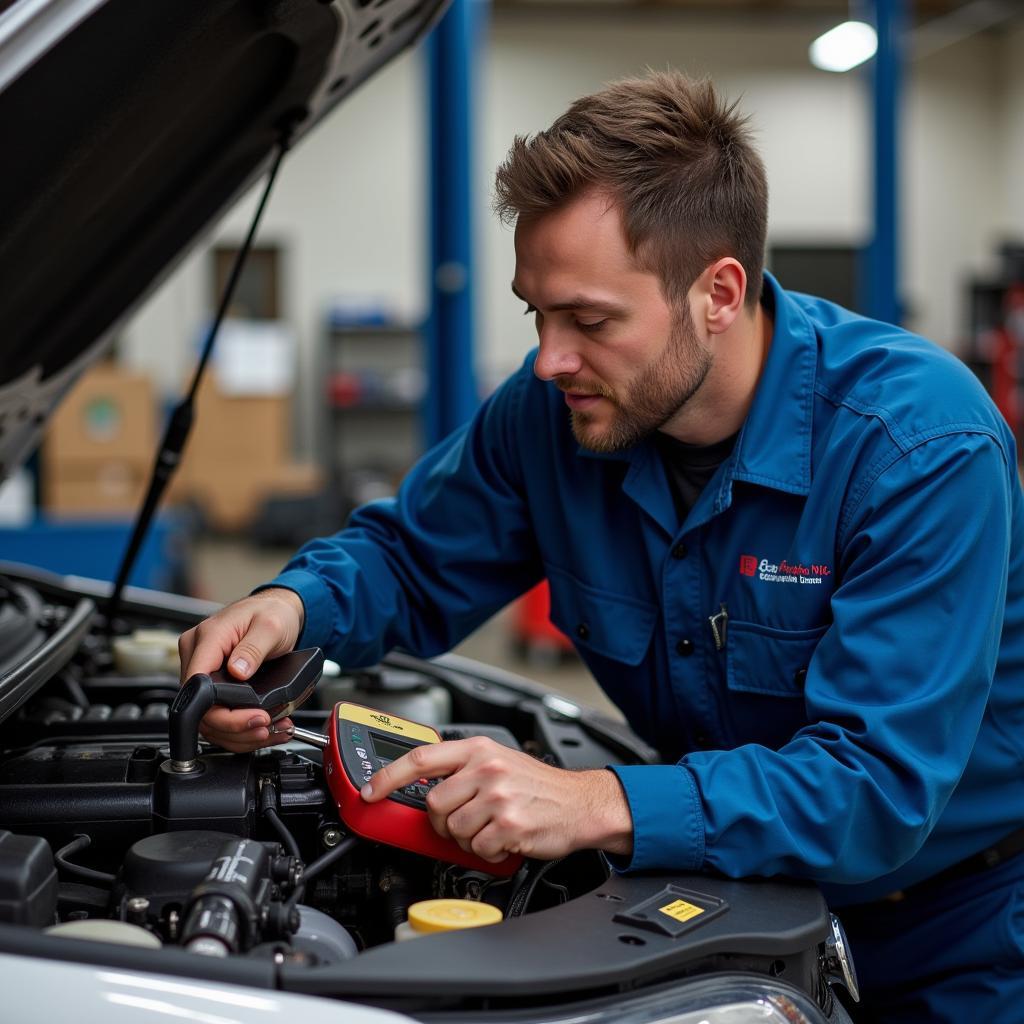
{"points": [[130, 125]]}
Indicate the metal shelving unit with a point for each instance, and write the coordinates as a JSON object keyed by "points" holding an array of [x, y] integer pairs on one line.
{"points": [[374, 383]]}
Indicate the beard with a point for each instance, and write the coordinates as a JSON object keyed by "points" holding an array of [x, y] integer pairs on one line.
{"points": [[652, 397]]}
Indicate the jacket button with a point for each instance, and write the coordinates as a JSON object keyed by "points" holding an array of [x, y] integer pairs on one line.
{"points": [[800, 676], [685, 648], [680, 550], [583, 631]]}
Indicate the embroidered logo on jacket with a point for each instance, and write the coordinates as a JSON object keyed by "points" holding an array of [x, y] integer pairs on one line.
{"points": [[748, 565], [783, 572]]}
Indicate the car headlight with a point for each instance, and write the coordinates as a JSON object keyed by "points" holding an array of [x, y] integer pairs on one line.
{"points": [[729, 999]]}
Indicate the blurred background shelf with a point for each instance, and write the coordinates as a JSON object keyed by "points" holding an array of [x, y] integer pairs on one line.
{"points": [[374, 385]]}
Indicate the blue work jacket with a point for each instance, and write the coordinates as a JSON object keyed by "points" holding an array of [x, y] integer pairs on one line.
{"points": [[828, 651]]}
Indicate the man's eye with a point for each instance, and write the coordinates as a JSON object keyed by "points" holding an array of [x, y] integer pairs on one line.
{"points": [[591, 326]]}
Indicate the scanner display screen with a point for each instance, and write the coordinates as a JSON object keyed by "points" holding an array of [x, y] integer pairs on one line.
{"points": [[387, 750]]}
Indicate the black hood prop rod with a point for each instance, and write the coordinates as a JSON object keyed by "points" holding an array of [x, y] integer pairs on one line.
{"points": [[179, 425]]}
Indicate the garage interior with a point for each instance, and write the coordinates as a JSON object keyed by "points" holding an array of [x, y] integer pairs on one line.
{"points": [[369, 320]]}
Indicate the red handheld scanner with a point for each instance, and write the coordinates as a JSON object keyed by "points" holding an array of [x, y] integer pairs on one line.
{"points": [[361, 741]]}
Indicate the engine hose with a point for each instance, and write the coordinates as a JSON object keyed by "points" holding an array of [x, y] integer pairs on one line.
{"points": [[522, 896], [80, 842], [398, 896], [268, 808], [283, 833], [318, 867]]}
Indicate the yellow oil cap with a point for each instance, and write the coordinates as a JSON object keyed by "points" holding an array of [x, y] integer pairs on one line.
{"points": [[451, 915]]}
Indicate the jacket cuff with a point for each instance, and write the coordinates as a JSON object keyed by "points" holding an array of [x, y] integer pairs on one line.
{"points": [[316, 602], [668, 821]]}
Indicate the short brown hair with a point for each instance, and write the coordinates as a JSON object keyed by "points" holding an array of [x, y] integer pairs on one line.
{"points": [[677, 160]]}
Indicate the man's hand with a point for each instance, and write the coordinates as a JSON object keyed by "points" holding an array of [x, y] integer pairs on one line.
{"points": [[498, 801], [244, 634]]}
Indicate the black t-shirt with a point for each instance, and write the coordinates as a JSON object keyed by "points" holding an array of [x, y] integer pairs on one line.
{"points": [[689, 467]]}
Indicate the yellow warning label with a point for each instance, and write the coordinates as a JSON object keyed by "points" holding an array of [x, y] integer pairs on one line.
{"points": [[680, 910]]}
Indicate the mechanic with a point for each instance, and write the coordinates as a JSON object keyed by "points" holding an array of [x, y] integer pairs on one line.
{"points": [[786, 540]]}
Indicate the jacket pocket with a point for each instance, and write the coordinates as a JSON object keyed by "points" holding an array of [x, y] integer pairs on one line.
{"points": [[767, 661], [765, 671], [609, 624]]}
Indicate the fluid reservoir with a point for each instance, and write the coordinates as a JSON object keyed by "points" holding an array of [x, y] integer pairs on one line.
{"points": [[431, 916], [147, 652], [98, 930]]}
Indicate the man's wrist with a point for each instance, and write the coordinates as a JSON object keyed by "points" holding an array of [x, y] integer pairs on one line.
{"points": [[608, 819]]}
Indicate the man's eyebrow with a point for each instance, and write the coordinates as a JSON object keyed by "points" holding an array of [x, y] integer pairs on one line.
{"points": [[579, 302]]}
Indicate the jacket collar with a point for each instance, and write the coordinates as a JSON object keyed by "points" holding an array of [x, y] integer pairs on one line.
{"points": [[774, 446]]}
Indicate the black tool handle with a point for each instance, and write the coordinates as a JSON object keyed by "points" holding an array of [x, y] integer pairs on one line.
{"points": [[278, 686]]}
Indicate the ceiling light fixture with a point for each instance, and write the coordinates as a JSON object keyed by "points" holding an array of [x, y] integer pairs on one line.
{"points": [[844, 47]]}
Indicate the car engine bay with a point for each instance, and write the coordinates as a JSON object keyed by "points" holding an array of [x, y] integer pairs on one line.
{"points": [[244, 870]]}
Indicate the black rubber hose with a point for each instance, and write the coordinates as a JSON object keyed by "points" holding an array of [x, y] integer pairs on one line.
{"points": [[287, 839], [520, 901], [268, 808], [319, 866], [89, 874], [326, 860]]}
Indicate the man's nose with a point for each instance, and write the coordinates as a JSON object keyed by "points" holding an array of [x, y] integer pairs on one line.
{"points": [[558, 356]]}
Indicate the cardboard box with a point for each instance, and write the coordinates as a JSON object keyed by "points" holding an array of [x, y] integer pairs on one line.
{"points": [[109, 415], [246, 433], [238, 456], [110, 488], [231, 499]]}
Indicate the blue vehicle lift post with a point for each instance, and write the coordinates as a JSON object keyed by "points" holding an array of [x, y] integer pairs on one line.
{"points": [[451, 379], [882, 263]]}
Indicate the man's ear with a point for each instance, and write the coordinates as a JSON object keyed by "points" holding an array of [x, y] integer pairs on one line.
{"points": [[721, 290]]}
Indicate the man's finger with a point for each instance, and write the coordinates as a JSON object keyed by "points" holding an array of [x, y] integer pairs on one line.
{"points": [[247, 747], [490, 844], [209, 649], [249, 739], [245, 729], [447, 797], [261, 640], [467, 820], [234, 720], [430, 761], [186, 646], [239, 742]]}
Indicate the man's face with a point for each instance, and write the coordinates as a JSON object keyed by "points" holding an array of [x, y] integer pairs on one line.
{"points": [[626, 360]]}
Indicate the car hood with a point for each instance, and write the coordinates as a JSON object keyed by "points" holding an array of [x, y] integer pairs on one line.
{"points": [[129, 127], [104, 995]]}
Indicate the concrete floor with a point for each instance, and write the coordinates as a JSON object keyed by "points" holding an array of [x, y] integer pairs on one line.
{"points": [[225, 569]]}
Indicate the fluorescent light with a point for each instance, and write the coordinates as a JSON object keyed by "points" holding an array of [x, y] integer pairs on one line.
{"points": [[844, 46]]}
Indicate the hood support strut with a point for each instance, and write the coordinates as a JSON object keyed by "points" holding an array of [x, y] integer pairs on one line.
{"points": [[180, 424]]}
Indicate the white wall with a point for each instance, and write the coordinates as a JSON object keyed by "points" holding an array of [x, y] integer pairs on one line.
{"points": [[809, 125], [1012, 133], [350, 205], [951, 183]]}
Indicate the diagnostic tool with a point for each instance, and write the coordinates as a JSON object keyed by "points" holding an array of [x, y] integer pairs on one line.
{"points": [[360, 742], [278, 687]]}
